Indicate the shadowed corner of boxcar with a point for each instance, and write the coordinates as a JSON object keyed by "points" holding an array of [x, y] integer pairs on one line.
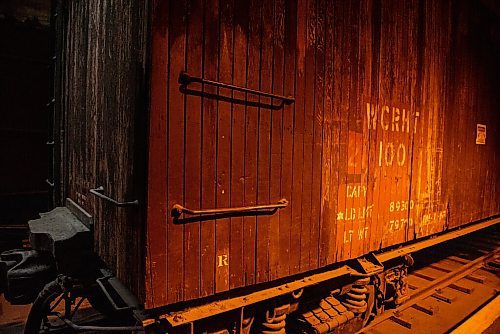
{"points": [[159, 16]]}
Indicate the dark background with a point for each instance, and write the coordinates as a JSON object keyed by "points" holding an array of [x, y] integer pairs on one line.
{"points": [[24, 93]]}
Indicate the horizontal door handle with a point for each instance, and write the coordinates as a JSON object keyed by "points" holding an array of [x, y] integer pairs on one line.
{"points": [[185, 79], [99, 193], [178, 210]]}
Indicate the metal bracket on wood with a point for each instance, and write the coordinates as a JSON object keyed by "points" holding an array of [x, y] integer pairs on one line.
{"points": [[185, 79], [99, 193], [366, 266], [178, 210]]}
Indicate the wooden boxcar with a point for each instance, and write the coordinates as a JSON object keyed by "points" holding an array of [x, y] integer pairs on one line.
{"points": [[265, 139]]}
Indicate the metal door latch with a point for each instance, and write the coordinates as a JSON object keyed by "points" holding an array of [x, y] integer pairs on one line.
{"points": [[99, 193]]}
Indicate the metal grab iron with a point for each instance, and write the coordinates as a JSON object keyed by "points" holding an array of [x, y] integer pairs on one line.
{"points": [[98, 192], [185, 79], [178, 210]]}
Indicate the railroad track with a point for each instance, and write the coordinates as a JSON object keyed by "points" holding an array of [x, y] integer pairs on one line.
{"points": [[448, 284]]}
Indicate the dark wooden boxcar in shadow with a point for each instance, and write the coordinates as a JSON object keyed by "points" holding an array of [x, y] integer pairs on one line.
{"points": [[377, 148], [101, 124]]}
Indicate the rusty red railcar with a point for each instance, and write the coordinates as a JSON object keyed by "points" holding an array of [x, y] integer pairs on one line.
{"points": [[378, 147], [222, 148]]}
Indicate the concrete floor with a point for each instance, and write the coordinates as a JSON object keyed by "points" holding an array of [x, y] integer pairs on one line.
{"points": [[12, 317], [493, 329]]}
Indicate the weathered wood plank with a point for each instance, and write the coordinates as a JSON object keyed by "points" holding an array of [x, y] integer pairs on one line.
{"points": [[223, 165], [175, 150], [276, 135], [298, 137], [287, 148], [251, 139], [192, 142], [328, 199], [156, 270], [264, 143], [307, 162], [209, 146], [238, 130]]}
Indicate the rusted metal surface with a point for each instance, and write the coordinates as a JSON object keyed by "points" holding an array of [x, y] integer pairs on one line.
{"points": [[378, 149], [178, 209], [99, 193], [185, 79], [196, 313]]}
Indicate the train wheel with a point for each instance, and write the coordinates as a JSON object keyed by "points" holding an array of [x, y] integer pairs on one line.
{"points": [[62, 307], [37, 321]]}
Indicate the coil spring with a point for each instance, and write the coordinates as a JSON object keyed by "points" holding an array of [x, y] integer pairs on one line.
{"points": [[275, 323], [246, 325], [402, 287], [356, 298]]}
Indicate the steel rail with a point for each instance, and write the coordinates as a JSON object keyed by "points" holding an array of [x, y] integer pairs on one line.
{"points": [[438, 283], [81, 328]]}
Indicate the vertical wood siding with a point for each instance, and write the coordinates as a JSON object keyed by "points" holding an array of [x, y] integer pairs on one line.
{"points": [[378, 148], [104, 107]]}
